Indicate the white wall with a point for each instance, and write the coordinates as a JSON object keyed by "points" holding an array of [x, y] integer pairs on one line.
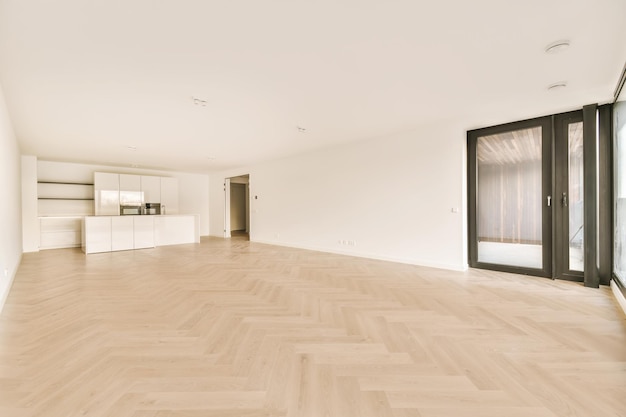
{"points": [[193, 197], [10, 206], [393, 197], [193, 189], [30, 223]]}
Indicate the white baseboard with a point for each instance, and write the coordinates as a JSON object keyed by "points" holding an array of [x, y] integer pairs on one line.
{"points": [[417, 262], [619, 296]]}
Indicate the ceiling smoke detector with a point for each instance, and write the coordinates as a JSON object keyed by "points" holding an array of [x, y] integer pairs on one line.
{"points": [[558, 46]]}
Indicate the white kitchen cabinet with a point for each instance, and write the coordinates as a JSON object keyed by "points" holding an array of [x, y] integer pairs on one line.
{"points": [[175, 230], [169, 195], [59, 232], [96, 234], [106, 194], [143, 228], [151, 188], [113, 233], [129, 182], [130, 190], [122, 234]]}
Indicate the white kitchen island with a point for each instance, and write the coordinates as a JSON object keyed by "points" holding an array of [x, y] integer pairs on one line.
{"points": [[113, 233]]}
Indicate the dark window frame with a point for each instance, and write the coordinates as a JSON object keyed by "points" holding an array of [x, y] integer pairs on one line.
{"points": [[560, 253], [472, 171], [599, 217], [621, 285]]}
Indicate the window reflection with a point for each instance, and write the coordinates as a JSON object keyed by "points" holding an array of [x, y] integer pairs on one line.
{"points": [[509, 198], [619, 118]]}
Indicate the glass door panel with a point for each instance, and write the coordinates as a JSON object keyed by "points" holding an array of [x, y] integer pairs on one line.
{"points": [[510, 201], [510, 198], [575, 197], [569, 231]]}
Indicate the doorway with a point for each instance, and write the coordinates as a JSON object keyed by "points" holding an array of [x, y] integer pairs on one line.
{"points": [[237, 207]]}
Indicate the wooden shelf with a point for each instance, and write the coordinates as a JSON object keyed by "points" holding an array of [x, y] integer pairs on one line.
{"points": [[65, 183], [64, 198], [48, 190]]}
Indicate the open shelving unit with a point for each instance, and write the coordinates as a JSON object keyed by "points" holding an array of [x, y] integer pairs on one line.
{"points": [[61, 207], [64, 198], [64, 190]]}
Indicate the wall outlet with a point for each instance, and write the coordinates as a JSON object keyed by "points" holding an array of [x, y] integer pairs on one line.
{"points": [[6, 272]]}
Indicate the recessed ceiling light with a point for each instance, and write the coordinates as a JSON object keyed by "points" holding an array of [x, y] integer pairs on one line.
{"points": [[199, 102], [557, 86], [558, 46], [132, 148]]}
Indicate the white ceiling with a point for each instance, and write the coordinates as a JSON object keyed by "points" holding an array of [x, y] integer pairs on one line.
{"points": [[86, 79]]}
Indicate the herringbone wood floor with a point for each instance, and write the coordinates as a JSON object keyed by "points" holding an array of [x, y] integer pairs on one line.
{"points": [[233, 328]]}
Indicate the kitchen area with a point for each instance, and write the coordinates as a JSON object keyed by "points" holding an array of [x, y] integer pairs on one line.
{"points": [[97, 209], [135, 212]]}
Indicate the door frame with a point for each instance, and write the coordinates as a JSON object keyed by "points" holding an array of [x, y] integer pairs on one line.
{"points": [[561, 185], [227, 207], [227, 219], [546, 184]]}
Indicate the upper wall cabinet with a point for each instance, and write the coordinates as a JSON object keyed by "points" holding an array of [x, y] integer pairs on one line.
{"points": [[169, 195], [113, 190], [130, 190], [107, 194], [129, 182], [151, 188]]}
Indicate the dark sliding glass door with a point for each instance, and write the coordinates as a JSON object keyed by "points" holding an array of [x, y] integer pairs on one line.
{"points": [[539, 196], [510, 183]]}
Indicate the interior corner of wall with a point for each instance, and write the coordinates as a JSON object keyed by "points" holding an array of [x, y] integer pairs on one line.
{"points": [[5, 291]]}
